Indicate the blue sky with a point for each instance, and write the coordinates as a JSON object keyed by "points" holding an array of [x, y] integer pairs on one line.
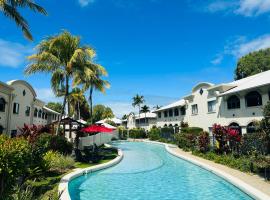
{"points": [[157, 48]]}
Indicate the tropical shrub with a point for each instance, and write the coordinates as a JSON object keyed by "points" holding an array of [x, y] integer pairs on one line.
{"points": [[154, 134], [58, 162], [15, 159], [183, 124], [204, 141], [186, 141], [46, 142], [122, 133], [137, 133], [255, 142], [32, 132]]}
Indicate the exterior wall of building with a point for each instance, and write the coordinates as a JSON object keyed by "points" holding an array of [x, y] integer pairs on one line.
{"points": [[23, 95], [167, 121], [5, 93]]}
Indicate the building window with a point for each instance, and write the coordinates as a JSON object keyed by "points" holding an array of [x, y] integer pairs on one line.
{"points": [[39, 113], [1, 130], [233, 102], [176, 112], [212, 106], [251, 128], [24, 93], [46, 116], [170, 113], [43, 115], [159, 114], [27, 111], [16, 108], [253, 99], [2, 105], [183, 110], [194, 109], [166, 113], [36, 112]]}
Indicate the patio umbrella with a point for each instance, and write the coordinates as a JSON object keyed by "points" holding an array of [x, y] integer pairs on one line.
{"points": [[94, 129]]}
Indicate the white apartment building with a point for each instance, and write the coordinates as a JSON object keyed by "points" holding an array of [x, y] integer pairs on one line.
{"points": [[145, 121], [236, 104], [19, 105]]}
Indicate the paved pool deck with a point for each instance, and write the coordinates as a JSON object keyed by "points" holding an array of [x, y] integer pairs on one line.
{"points": [[251, 179]]}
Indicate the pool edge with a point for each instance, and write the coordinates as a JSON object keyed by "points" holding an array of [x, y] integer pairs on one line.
{"points": [[63, 185], [243, 186]]}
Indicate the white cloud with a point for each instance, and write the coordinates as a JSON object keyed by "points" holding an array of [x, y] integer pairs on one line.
{"points": [[13, 54], [246, 8], [242, 46], [84, 3], [47, 95]]}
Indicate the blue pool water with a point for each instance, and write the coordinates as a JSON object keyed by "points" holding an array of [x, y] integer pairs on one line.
{"points": [[148, 172]]}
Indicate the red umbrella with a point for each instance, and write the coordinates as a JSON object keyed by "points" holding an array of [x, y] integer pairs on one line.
{"points": [[96, 129]]}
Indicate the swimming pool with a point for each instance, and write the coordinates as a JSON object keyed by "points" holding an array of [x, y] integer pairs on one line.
{"points": [[149, 172]]}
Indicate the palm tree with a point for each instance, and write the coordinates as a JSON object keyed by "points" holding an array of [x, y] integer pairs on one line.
{"points": [[91, 79], [137, 101], [157, 107], [145, 109], [10, 9], [76, 99], [62, 56]]}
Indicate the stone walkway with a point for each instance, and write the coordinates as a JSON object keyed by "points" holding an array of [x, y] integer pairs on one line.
{"points": [[253, 180]]}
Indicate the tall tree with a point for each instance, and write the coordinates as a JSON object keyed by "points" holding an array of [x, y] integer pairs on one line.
{"points": [[76, 100], [91, 78], [253, 63], [137, 101], [10, 9], [101, 112], [145, 109], [62, 56], [55, 106]]}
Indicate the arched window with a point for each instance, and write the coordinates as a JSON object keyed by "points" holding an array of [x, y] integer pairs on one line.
{"points": [[2, 105], [170, 125], [39, 113], [236, 126], [253, 99], [36, 112], [251, 128], [43, 115], [165, 125], [233, 102]]}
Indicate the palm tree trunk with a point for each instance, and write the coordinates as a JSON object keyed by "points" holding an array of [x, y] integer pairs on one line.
{"points": [[79, 111], [91, 104], [61, 115], [139, 115]]}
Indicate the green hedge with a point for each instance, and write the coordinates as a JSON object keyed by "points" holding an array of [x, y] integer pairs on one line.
{"points": [[122, 133], [154, 134], [193, 130], [137, 133]]}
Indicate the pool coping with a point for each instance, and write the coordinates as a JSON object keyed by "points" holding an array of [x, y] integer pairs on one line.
{"points": [[243, 186], [63, 185]]}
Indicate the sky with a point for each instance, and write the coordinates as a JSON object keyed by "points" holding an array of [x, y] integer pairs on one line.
{"points": [[156, 48]]}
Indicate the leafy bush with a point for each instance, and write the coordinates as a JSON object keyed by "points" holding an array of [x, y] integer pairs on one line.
{"points": [[204, 141], [255, 142], [23, 192], [242, 163], [186, 141], [58, 162], [154, 134], [15, 158], [46, 142], [32, 132], [122, 133], [183, 124], [137, 133]]}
